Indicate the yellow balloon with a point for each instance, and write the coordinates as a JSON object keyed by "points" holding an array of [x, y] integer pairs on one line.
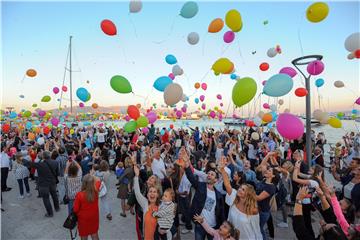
{"points": [[334, 122], [223, 65], [72, 131], [233, 20], [317, 12]]}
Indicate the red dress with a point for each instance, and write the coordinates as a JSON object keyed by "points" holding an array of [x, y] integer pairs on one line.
{"points": [[87, 213]]}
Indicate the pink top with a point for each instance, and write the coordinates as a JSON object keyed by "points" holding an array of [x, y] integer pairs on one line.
{"points": [[213, 232], [339, 215]]}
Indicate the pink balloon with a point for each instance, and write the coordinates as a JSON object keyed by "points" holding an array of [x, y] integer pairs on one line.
{"points": [[127, 118], [289, 71], [219, 96], [289, 126], [55, 121], [315, 67], [183, 109], [266, 106], [172, 76], [152, 117], [42, 113], [178, 114], [229, 36], [145, 130], [204, 86], [234, 115], [203, 106], [64, 88], [220, 117], [81, 105], [221, 104], [202, 98], [263, 82], [357, 101], [56, 90], [212, 114]]}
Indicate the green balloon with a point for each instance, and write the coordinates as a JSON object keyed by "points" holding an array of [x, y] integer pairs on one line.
{"points": [[340, 115], [130, 127], [142, 121], [27, 114], [243, 91], [120, 84], [34, 105], [88, 98], [46, 99]]}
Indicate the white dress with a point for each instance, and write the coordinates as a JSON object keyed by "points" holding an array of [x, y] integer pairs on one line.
{"points": [[248, 225]]}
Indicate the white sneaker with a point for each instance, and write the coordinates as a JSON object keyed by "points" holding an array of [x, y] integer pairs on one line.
{"points": [[185, 231], [283, 225], [28, 194], [21, 196]]}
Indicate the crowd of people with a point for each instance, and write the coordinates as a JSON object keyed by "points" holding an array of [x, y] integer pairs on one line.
{"points": [[224, 184]]}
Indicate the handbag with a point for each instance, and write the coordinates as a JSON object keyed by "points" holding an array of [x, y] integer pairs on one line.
{"points": [[52, 171], [71, 221], [103, 190], [273, 205]]}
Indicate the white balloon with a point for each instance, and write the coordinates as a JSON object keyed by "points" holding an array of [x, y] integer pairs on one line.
{"points": [[351, 56], [135, 6], [183, 98], [324, 118], [173, 94], [281, 102], [339, 84], [177, 70], [193, 38], [317, 114], [352, 42], [271, 52], [273, 107]]}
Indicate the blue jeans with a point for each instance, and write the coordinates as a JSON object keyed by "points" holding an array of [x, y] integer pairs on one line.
{"points": [[264, 217], [21, 187], [200, 233], [70, 205]]}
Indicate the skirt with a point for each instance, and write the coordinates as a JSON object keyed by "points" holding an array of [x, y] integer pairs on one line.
{"points": [[123, 191]]}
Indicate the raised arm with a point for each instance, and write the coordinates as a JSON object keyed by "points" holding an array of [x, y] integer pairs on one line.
{"points": [[296, 172], [225, 177], [139, 197]]}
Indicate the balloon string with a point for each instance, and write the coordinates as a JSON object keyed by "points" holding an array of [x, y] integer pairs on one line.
{"points": [[133, 25], [241, 56], [22, 80], [299, 36], [169, 34]]}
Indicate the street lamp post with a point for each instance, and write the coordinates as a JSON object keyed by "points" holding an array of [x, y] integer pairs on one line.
{"points": [[299, 62]]}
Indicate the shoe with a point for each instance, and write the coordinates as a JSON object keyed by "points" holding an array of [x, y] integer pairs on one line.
{"points": [[7, 189], [109, 217], [21, 196], [57, 209], [28, 194], [48, 215], [185, 231], [122, 214], [283, 225]]}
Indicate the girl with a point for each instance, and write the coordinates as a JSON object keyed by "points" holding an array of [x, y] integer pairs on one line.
{"points": [[104, 175], [22, 175], [227, 231], [72, 182]]}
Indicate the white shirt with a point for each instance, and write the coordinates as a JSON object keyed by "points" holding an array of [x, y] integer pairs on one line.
{"points": [[4, 160], [251, 152], [184, 185], [158, 168], [101, 137], [208, 211], [248, 225]]}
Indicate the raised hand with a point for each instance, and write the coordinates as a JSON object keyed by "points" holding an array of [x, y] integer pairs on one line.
{"points": [[136, 170]]}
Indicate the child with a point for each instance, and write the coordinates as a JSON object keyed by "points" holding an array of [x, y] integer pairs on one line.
{"points": [[123, 187], [166, 213], [22, 175]]}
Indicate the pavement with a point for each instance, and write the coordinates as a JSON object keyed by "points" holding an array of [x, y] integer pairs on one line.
{"points": [[24, 218]]}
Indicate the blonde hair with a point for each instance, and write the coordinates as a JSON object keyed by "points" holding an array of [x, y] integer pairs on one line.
{"points": [[250, 202], [128, 162], [88, 186], [120, 164]]}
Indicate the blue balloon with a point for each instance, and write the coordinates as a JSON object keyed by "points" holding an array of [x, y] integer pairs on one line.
{"points": [[162, 132], [354, 111], [161, 83], [233, 76], [165, 114], [28, 125], [37, 122], [82, 94], [87, 123], [13, 115], [319, 82], [196, 100], [278, 85], [270, 125], [274, 116], [189, 10], [65, 114], [170, 59]]}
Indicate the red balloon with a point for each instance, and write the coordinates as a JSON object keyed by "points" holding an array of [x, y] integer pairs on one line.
{"points": [[46, 130], [264, 66], [357, 53], [6, 128], [108, 27], [301, 92], [133, 112], [171, 126]]}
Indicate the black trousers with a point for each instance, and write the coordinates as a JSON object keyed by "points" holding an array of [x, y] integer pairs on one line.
{"points": [[45, 193], [4, 176]]}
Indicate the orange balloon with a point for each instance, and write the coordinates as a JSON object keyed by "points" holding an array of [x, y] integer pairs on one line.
{"points": [[94, 105], [216, 25], [197, 85], [31, 136], [31, 72], [138, 105], [37, 130], [267, 117]]}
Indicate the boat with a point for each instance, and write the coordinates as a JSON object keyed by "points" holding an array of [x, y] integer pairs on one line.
{"points": [[234, 122]]}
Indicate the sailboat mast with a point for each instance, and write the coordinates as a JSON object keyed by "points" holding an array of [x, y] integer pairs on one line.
{"points": [[70, 70]]}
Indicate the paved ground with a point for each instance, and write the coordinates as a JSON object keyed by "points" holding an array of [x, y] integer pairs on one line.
{"points": [[24, 219]]}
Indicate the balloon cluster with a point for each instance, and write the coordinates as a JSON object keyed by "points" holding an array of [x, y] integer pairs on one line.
{"points": [[352, 44], [138, 121]]}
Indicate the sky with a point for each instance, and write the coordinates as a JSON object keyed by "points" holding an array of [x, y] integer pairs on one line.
{"points": [[36, 35]]}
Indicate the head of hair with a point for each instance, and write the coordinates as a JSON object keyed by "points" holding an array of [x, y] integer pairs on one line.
{"points": [[276, 177], [46, 155], [317, 170], [234, 232], [73, 170], [104, 166], [61, 150], [334, 232], [88, 186], [250, 199], [96, 167], [19, 157], [120, 164], [171, 192]]}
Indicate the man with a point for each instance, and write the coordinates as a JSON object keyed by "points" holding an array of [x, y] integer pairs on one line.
{"points": [[48, 170], [158, 165], [5, 166], [61, 161], [207, 201]]}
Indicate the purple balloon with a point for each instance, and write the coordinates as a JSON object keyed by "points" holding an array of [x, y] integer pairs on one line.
{"points": [[56, 90], [315, 67], [81, 105], [357, 101], [42, 113], [229, 36], [202, 98], [212, 114], [178, 114], [183, 109], [55, 121], [263, 82], [145, 130], [127, 118], [151, 116], [172, 76], [289, 71], [289, 126]]}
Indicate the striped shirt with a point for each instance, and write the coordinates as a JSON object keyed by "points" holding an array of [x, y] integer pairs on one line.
{"points": [[73, 185], [165, 215], [20, 171]]}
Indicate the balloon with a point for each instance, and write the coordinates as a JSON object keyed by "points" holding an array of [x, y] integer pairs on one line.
{"points": [[130, 127], [281, 102], [5, 128], [354, 111], [28, 125], [255, 136], [319, 82], [219, 96], [289, 71], [351, 56], [120, 84], [142, 121], [334, 122], [204, 86], [273, 107], [151, 116], [94, 105], [317, 12], [216, 25], [324, 117], [56, 90], [12, 115], [212, 114], [257, 120], [233, 76], [340, 115], [339, 84], [177, 70], [289, 126], [55, 121], [27, 114], [267, 117], [202, 98], [193, 38], [82, 94], [133, 112], [108, 27], [46, 99], [264, 66], [271, 52], [161, 83], [127, 118], [81, 105], [64, 88], [42, 113], [229, 36], [197, 85], [357, 53], [263, 82], [173, 94], [196, 100], [203, 106], [34, 105], [189, 9], [301, 92], [31, 136], [31, 73], [233, 20], [171, 126], [170, 59], [223, 65], [135, 6], [315, 67], [352, 42], [357, 101], [243, 91], [178, 114], [171, 76], [266, 106], [278, 85]]}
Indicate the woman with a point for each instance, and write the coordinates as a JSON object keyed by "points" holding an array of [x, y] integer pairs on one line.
{"points": [[86, 208], [104, 175], [72, 181], [243, 212], [22, 175], [125, 179]]}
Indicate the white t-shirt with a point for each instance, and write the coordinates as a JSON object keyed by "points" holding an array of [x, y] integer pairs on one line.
{"points": [[251, 152], [208, 211], [4, 160], [101, 137], [158, 168], [248, 225]]}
